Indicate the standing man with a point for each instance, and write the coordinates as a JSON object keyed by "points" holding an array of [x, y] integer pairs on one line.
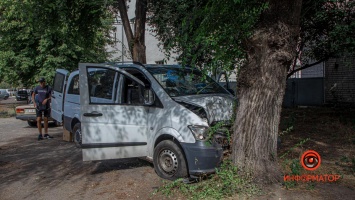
{"points": [[41, 99]]}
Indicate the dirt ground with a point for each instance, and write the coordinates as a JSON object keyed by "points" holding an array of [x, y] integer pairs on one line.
{"points": [[330, 131], [53, 169]]}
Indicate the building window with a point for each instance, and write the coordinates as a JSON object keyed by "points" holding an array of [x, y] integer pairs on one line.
{"points": [[160, 62]]}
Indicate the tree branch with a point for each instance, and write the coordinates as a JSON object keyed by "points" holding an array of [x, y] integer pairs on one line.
{"points": [[306, 66], [122, 7]]}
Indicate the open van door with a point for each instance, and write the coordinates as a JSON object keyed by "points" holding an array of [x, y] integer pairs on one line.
{"points": [[57, 102], [111, 128]]}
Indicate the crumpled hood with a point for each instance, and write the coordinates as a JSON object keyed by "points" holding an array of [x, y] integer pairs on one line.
{"points": [[219, 107]]}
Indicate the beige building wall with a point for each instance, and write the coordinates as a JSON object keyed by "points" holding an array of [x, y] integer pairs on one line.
{"points": [[154, 53]]}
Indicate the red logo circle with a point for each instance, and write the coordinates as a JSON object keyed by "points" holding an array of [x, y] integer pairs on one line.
{"points": [[310, 160]]}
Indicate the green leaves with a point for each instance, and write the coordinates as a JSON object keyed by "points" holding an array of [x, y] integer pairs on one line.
{"points": [[206, 32], [327, 28], [39, 36]]}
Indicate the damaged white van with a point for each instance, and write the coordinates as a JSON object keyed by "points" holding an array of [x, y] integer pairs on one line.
{"points": [[160, 112]]}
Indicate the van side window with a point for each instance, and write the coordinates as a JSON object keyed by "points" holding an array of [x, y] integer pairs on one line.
{"points": [[132, 92], [74, 85], [102, 85], [58, 82]]}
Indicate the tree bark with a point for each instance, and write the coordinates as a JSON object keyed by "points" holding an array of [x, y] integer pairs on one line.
{"points": [[261, 87], [136, 41], [139, 53]]}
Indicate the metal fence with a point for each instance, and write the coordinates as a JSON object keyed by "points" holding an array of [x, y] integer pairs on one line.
{"points": [[304, 92]]}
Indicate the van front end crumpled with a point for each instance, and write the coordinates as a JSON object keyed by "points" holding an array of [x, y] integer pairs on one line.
{"points": [[203, 157]]}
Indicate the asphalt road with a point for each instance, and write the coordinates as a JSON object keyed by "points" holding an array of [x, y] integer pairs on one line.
{"points": [[11, 100], [53, 169]]}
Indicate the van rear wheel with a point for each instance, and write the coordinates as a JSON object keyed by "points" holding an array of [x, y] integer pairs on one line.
{"points": [[169, 161]]}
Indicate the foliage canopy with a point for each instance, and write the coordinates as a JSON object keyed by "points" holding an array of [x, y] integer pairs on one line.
{"points": [[39, 36], [327, 29], [205, 32], [214, 33]]}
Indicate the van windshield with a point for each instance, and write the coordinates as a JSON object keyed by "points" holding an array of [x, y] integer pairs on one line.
{"points": [[183, 81]]}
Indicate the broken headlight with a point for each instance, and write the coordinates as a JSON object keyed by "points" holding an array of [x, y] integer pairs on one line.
{"points": [[200, 132]]}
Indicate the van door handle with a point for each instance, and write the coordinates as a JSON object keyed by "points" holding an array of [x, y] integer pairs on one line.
{"points": [[53, 97], [93, 114]]}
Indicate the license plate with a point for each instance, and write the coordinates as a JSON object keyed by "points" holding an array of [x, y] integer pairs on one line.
{"points": [[31, 110]]}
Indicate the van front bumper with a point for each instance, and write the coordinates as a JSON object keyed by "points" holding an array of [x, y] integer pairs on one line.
{"points": [[202, 158]]}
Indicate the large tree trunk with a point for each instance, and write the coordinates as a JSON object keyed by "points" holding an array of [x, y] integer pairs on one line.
{"points": [[261, 87], [136, 41]]}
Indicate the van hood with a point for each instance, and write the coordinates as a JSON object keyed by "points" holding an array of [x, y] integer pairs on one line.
{"points": [[218, 107]]}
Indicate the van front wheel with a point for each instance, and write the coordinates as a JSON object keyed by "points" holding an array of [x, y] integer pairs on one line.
{"points": [[169, 161]]}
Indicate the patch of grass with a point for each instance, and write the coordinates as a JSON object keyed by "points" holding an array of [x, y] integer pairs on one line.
{"points": [[292, 148], [288, 123], [7, 113], [8, 110], [294, 167], [346, 163], [311, 185], [225, 183], [288, 130]]}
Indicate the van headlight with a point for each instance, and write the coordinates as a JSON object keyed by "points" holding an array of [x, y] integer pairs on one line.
{"points": [[200, 132]]}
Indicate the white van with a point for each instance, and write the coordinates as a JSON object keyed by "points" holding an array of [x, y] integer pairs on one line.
{"points": [[160, 112], [65, 107]]}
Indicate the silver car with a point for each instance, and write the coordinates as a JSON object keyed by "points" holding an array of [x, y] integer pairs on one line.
{"points": [[3, 94], [28, 113]]}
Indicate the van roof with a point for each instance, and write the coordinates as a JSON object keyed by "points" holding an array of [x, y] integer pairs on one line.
{"points": [[130, 64], [170, 66]]}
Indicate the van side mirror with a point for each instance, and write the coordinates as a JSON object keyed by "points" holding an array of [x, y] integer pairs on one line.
{"points": [[149, 97]]}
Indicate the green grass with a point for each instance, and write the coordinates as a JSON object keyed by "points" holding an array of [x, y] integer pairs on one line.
{"points": [[225, 183], [8, 112]]}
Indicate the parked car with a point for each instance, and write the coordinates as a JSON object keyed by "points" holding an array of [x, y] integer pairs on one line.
{"points": [[28, 113], [4, 94], [22, 95], [161, 112]]}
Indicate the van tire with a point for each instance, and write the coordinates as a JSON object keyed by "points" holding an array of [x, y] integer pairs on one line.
{"points": [[32, 124], [77, 135], [169, 161]]}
